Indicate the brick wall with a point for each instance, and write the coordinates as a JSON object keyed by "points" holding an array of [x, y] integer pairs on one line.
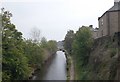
{"points": [[103, 25], [119, 21], [109, 23], [113, 21]]}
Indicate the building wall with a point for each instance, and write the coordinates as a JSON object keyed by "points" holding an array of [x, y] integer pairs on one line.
{"points": [[103, 26], [95, 34], [119, 21], [109, 23], [113, 22]]}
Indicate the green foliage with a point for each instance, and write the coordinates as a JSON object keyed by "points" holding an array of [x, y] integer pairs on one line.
{"points": [[82, 45], [43, 42], [113, 69], [68, 67], [79, 44], [81, 49], [14, 64], [69, 40], [52, 46], [34, 53], [20, 56]]}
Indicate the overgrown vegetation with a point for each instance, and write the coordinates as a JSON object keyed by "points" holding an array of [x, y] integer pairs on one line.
{"points": [[94, 59], [81, 50], [81, 45], [68, 61], [68, 41], [20, 56]]}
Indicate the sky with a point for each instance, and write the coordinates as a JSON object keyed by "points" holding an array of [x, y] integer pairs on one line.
{"points": [[55, 17]]}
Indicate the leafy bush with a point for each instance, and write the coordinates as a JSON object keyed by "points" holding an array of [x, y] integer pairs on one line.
{"points": [[79, 44], [82, 44]]}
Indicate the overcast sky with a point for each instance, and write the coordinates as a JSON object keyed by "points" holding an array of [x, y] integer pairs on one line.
{"points": [[55, 17]]}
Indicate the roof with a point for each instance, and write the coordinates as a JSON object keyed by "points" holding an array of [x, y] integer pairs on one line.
{"points": [[115, 7]]}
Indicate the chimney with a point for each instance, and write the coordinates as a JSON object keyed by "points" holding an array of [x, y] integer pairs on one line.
{"points": [[116, 2], [91, 26]]}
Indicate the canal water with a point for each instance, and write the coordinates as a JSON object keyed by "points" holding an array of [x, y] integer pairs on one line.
{"points": [[55, 69]]}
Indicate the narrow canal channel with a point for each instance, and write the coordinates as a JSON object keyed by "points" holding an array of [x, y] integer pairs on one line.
{"points": [[55, 69]]}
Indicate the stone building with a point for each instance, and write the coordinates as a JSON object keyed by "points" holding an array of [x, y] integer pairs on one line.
{"points": [[109, 22], [94, 31]]}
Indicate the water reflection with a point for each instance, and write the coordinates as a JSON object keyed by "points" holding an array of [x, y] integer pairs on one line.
{"points": [[55, 69]]}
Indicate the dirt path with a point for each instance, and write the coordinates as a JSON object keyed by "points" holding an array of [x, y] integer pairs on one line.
{"points": [[72, 70]]}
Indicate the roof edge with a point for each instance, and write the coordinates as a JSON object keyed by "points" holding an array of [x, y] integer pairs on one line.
{"points": [[108, 12]]}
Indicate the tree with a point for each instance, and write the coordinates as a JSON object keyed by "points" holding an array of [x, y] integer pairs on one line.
{"points": [[43, 42], [52, 46], [34, 53], [82, 44], [20, 56], [35, 35], [69, 40], [14, 62], [0, 46]]}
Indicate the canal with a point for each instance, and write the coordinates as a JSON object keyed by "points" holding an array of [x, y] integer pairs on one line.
{"points": [[55, 69]]}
